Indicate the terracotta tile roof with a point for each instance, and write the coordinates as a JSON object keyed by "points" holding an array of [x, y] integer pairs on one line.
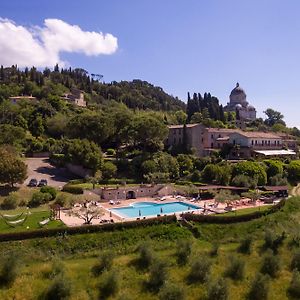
{"points": [[225, 130], [259, 134], [181, 126]]}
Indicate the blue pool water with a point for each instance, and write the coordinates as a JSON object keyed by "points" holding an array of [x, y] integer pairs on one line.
{"points": [[141, 209]]}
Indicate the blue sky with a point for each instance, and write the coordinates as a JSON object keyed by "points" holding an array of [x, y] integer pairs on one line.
{"points": [[189, 45]]}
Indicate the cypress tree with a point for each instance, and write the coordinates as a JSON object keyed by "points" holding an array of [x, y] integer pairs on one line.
{"points": [[2, 73]]}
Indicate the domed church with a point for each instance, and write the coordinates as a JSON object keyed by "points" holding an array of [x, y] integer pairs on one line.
{"points": [[239, 104]]}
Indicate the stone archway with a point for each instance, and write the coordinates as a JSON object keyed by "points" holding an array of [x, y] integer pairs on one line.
{"points": [[130, 195]]}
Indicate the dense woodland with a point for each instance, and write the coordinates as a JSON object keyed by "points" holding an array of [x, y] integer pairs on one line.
{"points": [[121, 132]]}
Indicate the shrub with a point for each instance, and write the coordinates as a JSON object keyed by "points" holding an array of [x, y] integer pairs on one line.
{"points": [[218, 290], [59, 288], [245, 245], [57, 268], [72, 189], [214, 250], [50, 190], [244, 181], [146, 256], [259, 288], [109, 284], [11, 201], [294, 288], [274, 167], [38, 199], [61, 200], [235, 269], [9, 270], [251, 169], [200, 270], [273, 241], [157, 275], [278, 180], [109, 170], [270, 265], [293, 170], [104, 263], [295, 263], [196, 176], [184, 249], [171, 291]]}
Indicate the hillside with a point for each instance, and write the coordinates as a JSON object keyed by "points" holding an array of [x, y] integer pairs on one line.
{"points": [[136, 94], [163, 261]]}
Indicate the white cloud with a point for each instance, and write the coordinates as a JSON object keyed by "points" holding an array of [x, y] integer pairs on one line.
{"points": [[42, 46]]}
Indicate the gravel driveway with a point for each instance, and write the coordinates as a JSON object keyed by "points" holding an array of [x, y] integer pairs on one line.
{"points": [[40, 168]]}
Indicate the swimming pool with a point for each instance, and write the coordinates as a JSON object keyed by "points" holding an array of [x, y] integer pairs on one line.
{"points": [[144, 209]]}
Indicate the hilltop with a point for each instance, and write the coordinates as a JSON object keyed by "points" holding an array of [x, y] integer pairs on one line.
{"points": [[136, 94]]}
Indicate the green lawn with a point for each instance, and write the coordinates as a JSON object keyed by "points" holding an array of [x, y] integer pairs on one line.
{"points": [[32, 221], [246, 211]]}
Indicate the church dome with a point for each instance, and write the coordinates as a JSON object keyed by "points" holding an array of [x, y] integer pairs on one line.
{"points": [[238, 90], [238, 106], [250, 107]]}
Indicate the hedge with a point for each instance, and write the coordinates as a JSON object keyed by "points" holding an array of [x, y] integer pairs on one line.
{"points": [[232, 219], [73, 189], [42, 233]]}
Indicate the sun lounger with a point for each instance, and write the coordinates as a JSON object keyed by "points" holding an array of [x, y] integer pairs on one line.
{"points": [[111, 202], [16, 223], [44, 222], [12, 217]]}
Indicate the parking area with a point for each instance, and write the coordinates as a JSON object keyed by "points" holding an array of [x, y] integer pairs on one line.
{"points": [[40, 168]]}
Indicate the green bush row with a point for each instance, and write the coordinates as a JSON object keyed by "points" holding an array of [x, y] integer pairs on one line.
{"points": [[232, 219], [41, 233], [73, 189]]}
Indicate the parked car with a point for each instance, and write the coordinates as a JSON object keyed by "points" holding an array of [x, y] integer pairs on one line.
{"points": [[33, 182], [43, 182]]}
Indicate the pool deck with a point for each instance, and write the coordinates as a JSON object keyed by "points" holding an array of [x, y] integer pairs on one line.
{"points": [[209, 206]]}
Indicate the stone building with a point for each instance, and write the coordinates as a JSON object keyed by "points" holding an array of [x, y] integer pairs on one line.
{"points": [[133, 192], [243, 144], [76, 97], [238, 103]]}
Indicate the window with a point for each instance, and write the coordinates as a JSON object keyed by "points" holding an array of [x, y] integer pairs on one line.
{"points": [[212, 136], [212, 145], [179, 140], [255, 142], [252, 142], [202, 140], [219, 135], [174, 140]]}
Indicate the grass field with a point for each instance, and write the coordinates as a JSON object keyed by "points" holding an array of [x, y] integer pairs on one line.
{"points": [[245, 211], [79, 254], [31, 222]]}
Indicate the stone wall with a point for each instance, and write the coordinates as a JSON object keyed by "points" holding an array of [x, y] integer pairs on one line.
{"points": [[133, 192]]}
